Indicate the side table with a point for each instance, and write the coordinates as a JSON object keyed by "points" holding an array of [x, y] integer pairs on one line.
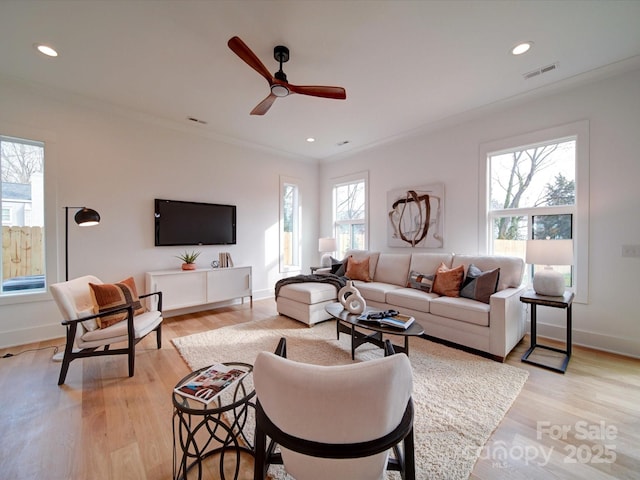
{"points": [[565, 302], [201, 430]]}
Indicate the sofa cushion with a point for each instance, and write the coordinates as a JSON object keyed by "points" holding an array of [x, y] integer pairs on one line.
{"points": [[393, 268], [309, 293], [462, 309], [362, 254], [511, 268], [479, 285], [420, 281], [358, 269], [448, 281], [410, 298], [428, 263], [376, 291]]}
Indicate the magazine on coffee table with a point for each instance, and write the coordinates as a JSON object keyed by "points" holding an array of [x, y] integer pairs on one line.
{"points": [[210, 383], [398, 320]]}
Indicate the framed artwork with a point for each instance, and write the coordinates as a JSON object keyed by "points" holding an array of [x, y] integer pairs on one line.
{"points": [[415, 217]]}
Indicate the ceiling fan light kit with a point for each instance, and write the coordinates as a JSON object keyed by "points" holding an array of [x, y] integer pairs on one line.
{"points": [[278, 83]]}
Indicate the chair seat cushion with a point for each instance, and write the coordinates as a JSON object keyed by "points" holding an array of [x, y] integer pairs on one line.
{"points": [[142, 324]]}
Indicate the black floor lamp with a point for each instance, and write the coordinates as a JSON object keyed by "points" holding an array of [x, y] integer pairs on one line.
{"points": [[85, 217]]}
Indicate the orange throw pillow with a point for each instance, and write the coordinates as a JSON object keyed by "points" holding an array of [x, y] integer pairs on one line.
{"points": [[448, 281], [358, 270], [112, 295]]}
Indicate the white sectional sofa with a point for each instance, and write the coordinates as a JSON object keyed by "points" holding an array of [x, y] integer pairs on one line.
{"points": [[493, 328]]}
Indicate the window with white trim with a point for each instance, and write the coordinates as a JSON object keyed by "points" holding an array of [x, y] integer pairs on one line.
{"points": [[289, 225], [22, 203], [350, 208], [533, 187]]}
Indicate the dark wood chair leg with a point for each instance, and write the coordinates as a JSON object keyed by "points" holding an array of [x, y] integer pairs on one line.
{"points": [[159, 336], [260, 465], [68, 353], [409, 458]]}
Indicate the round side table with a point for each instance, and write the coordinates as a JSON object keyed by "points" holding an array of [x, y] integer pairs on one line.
{"points": [[201, 430]]}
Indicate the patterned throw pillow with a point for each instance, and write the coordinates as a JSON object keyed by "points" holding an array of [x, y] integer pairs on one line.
{"points": [[448, 281], [480, 285], [358, 269], [112, 295], [420, 281]]}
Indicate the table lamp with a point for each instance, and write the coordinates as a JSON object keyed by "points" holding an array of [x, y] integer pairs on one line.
{"points": [[549, 252], [326, 246]]}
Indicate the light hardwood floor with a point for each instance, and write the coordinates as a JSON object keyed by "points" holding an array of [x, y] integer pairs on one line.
{"points": [[104, 425]]}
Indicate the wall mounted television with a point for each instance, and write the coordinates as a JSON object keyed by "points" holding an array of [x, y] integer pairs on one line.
{"points": [[194, 223]]}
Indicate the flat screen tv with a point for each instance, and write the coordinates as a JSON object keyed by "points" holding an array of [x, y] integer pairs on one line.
{"points": [[194, 223]]}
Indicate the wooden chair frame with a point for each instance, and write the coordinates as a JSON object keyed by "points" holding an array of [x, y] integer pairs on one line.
{"points": [[130, 350]]}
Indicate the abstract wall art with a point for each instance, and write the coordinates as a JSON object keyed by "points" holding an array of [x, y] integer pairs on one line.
{"points": [[415, 217]]}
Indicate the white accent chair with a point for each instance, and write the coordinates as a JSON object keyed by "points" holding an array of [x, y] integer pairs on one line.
{"points": [[337, 422], [84, 339]]}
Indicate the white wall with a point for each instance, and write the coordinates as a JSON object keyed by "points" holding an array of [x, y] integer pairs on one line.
{"points": [[118, 163], [611, 320]]}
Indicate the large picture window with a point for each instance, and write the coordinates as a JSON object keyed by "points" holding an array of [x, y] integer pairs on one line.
{"points": [[22, 202], [532, 192], [350, 213]]}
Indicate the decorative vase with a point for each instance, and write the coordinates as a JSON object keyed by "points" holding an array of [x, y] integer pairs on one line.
{"points": [[188, 266], [351, 299]]}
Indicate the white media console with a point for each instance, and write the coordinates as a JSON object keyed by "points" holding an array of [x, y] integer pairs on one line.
{"points": [[190, 288]]}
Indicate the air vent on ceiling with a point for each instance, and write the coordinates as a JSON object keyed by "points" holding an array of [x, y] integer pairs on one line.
{"points": [[540, 71], [197, 120]]}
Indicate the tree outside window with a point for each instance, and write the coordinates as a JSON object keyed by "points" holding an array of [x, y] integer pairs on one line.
{"points": [[22, 202], [349, 200], [532, 195]]}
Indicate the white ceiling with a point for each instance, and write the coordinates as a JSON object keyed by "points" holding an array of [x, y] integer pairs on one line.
{"points": [[406, 65]]}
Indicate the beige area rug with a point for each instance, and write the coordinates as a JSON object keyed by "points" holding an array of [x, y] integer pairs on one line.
{"points": [[459, 398]]}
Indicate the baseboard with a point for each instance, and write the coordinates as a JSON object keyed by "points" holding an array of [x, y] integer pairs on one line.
{"points": [[40, 333], [628, 347]]}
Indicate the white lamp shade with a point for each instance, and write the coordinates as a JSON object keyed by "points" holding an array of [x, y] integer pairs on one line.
{"points": [[549, 252], [327, 244]]}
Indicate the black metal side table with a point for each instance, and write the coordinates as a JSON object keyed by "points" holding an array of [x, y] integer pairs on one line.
{"points": [[534, 300], [201, 430]]}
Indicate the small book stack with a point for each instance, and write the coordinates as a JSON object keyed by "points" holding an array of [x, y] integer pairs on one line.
{"points": [[225, 260]]}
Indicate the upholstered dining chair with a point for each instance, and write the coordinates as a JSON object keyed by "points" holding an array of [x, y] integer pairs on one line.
{"points": [[120, 319], [336, 422]]}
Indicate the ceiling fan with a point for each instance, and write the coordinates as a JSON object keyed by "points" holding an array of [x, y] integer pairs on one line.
{"points": [[278, 81]]}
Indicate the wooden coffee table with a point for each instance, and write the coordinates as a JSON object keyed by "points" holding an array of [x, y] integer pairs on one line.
{"points": [[347, 322]]}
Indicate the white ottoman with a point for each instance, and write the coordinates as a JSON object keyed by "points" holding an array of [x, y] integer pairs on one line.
{"points": [[305, 302]]}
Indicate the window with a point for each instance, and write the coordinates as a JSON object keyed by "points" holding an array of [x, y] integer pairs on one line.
{"points": [[289, 225], [23, 255], [532, 191], [350, 213]]}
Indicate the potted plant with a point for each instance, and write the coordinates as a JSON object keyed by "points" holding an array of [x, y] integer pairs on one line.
{"points": [[189, 260]]}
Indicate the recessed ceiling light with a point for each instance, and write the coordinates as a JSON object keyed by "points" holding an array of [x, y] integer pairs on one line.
{"points": [[46, 50], [311, 139], [521, 48]]}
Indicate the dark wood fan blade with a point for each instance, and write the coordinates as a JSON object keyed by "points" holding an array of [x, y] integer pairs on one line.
{"points": [[244, 52], [338, 93], [264, 106]]}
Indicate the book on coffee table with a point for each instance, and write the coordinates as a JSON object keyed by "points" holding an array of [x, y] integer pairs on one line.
{"points": [[210, 383], [398, 321]]}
